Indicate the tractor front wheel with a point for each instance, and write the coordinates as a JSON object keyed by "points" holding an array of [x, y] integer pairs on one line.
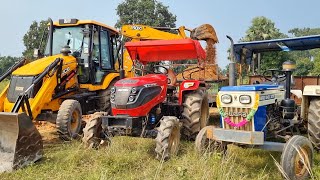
{"points": [[93, 136], [205, 145], [168, 138], [297, 158], [69, 120], [195, 113], [314, 123]]}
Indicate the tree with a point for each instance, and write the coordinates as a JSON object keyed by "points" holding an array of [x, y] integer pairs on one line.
{"points": [[263, 28], [304, 67], [33, 37], [148, 12], [298, 32], [309, 60], [6, 62]]}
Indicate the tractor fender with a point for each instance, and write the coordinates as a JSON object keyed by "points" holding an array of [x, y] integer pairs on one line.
{"points": [[309, 92], [188, 85]]}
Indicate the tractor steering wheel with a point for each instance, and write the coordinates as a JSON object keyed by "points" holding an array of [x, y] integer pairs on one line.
{"points": [[156, 70], [276, 75]]}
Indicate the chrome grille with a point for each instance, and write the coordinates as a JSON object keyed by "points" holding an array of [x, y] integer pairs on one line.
{"points": [[237, 119]]}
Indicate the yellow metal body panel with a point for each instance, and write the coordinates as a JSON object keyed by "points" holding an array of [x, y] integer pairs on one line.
{"points": [[36, 67], [107, 80], [3, 96], [43, 98], [139, 32]]}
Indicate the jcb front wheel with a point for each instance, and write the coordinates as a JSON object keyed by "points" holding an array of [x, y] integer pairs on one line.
{"points": [[168, 138], [69, 120]]}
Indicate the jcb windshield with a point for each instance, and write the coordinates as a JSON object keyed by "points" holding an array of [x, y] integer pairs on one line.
{"points": [[62, 36]]}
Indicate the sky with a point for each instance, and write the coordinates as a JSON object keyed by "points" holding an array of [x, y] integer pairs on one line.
{"points": [[228, 17]]}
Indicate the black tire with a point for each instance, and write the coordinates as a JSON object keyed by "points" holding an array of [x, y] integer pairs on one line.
{"points": [[314, 123], [291, 162], [168, 138], [204, 145], [104, 100], [195, 113], [93, 133], [69, 120]]}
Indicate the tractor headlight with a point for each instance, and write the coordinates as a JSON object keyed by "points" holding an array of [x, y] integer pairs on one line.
{"points": [[113, 90], [112, 97], [131, 98], [226, 98], [133, 90], [245, 99]]}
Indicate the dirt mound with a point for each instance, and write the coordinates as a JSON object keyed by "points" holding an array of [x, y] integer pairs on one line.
{"points": [[204, 32], [209, 73]]}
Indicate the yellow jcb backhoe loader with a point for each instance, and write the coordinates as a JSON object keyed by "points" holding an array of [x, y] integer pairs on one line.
{"points": [[71, 78]]}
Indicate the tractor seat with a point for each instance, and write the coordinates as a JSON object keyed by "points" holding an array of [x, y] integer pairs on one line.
{"points": [[172, 80]]}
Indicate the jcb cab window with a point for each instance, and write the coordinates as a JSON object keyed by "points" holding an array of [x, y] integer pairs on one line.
{"points": [[104, 53]]}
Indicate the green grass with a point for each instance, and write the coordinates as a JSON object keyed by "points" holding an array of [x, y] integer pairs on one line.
{"points": [[133, 158]]}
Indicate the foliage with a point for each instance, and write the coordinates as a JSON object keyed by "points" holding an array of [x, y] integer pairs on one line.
{"points": [[307, 61], [32, 39], [304, 65], [6, 62], [263, 28], [148, 12], [298, 32]]}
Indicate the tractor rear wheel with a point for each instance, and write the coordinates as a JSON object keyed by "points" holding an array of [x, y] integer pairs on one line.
{"points": [[69, 120], [297, 158], [314, 123], [168, 138], [195, 113], [93, 133], [104, 100]]}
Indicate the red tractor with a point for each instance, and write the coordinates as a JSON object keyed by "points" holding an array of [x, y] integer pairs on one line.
{"points": [[154, 105]]}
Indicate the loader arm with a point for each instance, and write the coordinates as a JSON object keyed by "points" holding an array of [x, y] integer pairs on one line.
{"points": [[46, 91]]}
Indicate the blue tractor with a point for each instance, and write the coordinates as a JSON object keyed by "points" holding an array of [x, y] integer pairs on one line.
{"points": [[263, 115]]}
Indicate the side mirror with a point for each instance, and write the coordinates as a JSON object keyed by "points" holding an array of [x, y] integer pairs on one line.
{"points": [[36, 53]]}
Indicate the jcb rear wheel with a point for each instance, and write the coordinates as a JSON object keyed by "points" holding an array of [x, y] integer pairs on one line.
{"points": [[69, 120], [104, 100], [93, 133], [314, 123], [168, 138], [195, 113]]}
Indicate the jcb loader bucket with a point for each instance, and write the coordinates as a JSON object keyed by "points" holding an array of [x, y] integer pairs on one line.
{"points": [[20, 141]]}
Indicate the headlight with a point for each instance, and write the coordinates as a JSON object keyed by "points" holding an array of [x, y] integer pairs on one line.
{"points": [[113, 90], [245, 99], [226, 98], [131, 98], [112, 97], [133, 90]]}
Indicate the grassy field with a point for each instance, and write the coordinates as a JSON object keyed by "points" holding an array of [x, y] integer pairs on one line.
{"points": [[133, 158]]}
